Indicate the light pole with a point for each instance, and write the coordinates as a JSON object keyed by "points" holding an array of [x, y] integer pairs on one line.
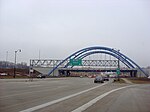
{"points": [[19, 50], [118, 69], [118, 59], [118, 65]]}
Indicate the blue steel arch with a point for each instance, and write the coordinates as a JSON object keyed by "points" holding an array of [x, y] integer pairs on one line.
{"points": [[113, 51], [129, 65]]}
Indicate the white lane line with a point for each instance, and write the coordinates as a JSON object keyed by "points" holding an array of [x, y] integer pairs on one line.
{"points": [[59, 100], [35, 86], [90, 103]]}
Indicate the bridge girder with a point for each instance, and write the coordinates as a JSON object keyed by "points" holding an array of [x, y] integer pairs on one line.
{"points": [[53, 63]]}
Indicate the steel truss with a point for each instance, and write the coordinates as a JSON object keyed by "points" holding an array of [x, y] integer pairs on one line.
{"points": [[92, 63]]}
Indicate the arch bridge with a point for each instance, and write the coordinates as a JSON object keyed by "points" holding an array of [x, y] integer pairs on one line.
{"points": [[83, 53]]}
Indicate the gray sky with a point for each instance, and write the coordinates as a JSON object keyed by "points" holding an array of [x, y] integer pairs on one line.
{"points": [[60, 27]]}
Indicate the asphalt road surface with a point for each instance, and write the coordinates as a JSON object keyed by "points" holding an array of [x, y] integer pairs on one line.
{"points": [[72, 95]]}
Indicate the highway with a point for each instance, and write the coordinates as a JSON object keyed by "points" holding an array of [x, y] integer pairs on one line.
{"points": [[72, 95]]}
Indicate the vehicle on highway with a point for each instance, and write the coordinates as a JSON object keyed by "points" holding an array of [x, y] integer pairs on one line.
{"points": [[81, 76], [99, 79], [106, 78], [41, 76]]}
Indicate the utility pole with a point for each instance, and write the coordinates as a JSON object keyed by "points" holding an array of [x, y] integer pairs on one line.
{"points": [[39, 54], [6, 59]]}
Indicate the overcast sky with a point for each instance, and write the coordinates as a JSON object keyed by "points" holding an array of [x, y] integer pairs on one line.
{"points": [[57, 28]]}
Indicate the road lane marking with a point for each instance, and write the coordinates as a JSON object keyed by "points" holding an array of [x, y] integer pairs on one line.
{"points": [[35, 86], [90, 103], [59, 100]]}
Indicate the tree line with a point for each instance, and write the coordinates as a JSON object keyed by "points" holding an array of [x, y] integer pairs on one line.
{"points": [[7, 64]]}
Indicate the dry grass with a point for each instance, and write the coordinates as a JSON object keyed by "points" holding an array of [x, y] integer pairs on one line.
{"points": [[119, 81], [11, 77], [140, 80]]}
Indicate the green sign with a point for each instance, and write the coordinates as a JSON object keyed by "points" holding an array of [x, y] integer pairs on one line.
{"points": [[75, 62], [118, 71]]}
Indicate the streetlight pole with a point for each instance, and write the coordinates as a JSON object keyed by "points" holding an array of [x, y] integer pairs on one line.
{"points": [[118, 60], [118, 69], [19, 50], [118, 65]]}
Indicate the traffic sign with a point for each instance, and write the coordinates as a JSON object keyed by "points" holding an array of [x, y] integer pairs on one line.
{"points": [[75, 62], [118, 71]]}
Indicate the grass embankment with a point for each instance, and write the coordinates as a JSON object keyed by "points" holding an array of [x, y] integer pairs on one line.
{"points": [[139, 80], [119, 81], [11, 77]]}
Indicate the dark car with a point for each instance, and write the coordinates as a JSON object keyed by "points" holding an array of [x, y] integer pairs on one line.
{"points": [[106, 79], [98, 79]]}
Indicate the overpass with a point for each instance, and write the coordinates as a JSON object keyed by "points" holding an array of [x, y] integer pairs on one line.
{"points": [[83, 53], [45, 65], [67, 71]]}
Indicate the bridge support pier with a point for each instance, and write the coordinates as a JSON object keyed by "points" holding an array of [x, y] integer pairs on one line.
{"points": [[64, 73], [133, 73]]}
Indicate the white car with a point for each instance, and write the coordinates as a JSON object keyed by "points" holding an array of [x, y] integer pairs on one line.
{"points": [[41, 76], [98, 79]]}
